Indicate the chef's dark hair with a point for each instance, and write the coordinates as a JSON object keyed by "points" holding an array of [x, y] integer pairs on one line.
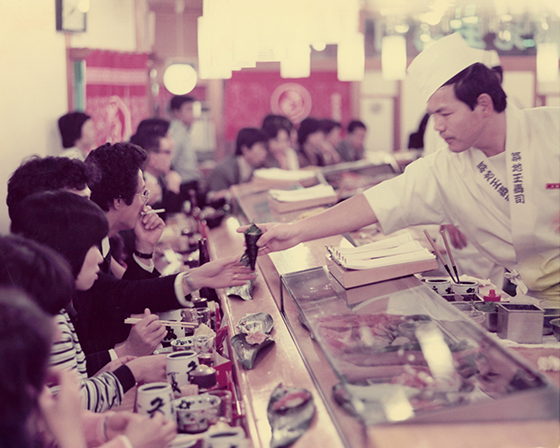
{"points": [[26, 335], [64, 221], [45, 174], [114, 171], [475, 80], [44, 274]]}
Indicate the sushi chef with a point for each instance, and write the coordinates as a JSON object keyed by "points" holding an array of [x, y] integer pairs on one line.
{"points": [[498, 179]]}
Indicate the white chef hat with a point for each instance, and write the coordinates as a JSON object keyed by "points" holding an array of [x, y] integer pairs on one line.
{"points": [[440, 62]]}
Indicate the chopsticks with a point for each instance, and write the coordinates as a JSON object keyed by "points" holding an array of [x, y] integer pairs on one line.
{"points": [[440, 258], [442, 231], [167, 323]]}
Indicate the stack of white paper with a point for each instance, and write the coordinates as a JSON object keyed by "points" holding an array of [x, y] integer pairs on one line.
{"points": [[388, 252], [303, 194], [286, 175]]}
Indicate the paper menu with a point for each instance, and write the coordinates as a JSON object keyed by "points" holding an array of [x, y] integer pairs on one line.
{"points": [[388, 252]]}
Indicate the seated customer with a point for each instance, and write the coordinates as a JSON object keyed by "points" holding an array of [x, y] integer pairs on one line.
{"points": [[164, 183], [352, 147], [30, 415], [78, 135], [46, 174], [74, 227], [250, 154], [312, 150], [278, 129]]}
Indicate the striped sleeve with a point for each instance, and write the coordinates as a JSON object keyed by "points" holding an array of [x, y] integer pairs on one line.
{"points": [[99, 393]]}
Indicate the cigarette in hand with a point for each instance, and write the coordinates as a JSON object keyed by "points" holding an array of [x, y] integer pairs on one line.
{"points": [[149, 212]]}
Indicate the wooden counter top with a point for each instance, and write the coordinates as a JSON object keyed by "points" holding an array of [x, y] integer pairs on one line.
{"points": [[280, 363]]}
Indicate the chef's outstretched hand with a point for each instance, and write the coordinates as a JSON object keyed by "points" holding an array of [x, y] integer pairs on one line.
{"points": [[275, 237]]}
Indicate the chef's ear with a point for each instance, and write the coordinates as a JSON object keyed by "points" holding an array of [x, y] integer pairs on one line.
{"points": [[485, 102]]}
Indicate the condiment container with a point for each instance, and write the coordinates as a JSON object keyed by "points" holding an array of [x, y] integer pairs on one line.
{"points": [[204, 377], [520, 322], [490, 310], [492, 296]]}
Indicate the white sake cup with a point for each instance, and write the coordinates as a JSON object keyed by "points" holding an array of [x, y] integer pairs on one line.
{"points": [[179, 364], [155, 397], [440, 285]]}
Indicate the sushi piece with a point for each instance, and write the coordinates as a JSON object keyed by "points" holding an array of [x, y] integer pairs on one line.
{"points": [[252, 235], [247, 352], [290, 412]]}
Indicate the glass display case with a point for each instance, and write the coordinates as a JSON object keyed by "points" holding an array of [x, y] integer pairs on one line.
{"points": [[402, 353]]}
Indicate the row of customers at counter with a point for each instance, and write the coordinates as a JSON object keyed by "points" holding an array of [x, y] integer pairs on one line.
{"points": [[172, 163], [60, 261]]}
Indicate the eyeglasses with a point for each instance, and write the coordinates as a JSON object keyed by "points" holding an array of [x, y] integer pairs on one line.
{"points": [[145, 195]]}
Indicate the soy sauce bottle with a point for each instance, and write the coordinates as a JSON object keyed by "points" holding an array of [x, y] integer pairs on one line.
{"points": [[204, 257]]}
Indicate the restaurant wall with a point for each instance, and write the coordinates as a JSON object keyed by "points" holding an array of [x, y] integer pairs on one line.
{"points": [[33, 75]]}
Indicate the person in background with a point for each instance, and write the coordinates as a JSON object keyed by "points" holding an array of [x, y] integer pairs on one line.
{"points": [[164, 183], [332, 130], [74, 227], [250, 154], [78, 135], [278, 129], [351, 148], [497, 181], [184, 160], [312, 150], [30, 415], [46, 174]]}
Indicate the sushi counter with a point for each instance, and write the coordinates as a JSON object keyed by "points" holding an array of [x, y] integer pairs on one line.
{"points": [[386, 365]]}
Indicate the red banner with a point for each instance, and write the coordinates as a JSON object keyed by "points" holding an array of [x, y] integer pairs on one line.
{"points": [[251, 95], [116, 93]]}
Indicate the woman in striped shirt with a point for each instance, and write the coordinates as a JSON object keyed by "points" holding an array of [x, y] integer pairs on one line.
{"points": [[75, 227]]}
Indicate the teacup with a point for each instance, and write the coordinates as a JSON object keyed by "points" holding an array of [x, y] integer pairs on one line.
{"points": [[226, 438], [467, 290], [173, 333], [179, 364], [440, 285], [155, 397], [196, 413]]}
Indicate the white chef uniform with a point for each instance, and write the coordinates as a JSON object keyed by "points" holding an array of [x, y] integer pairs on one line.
{"points": [[512, 221]]}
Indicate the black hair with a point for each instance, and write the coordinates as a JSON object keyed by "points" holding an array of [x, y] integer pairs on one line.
{"points": [[64, 221], [114, 171], [354, 124], [70, 127], [42, 272], [178, 100], [45, 174], [308, 126], [327, 125], [149, 142], [248, 137], [157, 126], [273, 124], [26, 335], [475, 80]]}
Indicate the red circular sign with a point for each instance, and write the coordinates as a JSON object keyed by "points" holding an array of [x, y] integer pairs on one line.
{"points": [[292, 100]]}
